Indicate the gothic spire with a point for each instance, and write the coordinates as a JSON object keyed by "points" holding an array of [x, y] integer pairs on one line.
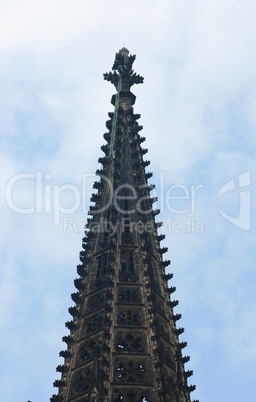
{"points": [[124, 340]]}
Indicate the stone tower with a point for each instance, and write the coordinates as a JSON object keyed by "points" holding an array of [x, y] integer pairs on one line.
{"points": [[124, 339]]}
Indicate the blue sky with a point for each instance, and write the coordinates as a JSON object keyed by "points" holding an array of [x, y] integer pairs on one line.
{"points": [[198, 110]]}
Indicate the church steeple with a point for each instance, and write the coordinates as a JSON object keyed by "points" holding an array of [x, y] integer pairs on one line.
{"points": [[124, 339]]}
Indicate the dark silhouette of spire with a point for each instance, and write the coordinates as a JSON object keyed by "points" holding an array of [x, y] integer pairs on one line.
{"points": [[124, 334]]}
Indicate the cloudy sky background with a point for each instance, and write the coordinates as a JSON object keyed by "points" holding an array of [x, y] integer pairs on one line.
{"points": [[198, 110]]}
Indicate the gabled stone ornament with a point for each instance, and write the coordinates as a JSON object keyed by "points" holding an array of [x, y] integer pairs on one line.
{"points": [[123, 343]]}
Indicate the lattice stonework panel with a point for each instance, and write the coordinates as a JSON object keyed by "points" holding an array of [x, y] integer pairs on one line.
{"points": [[130, 342], [128, 277], [129, 370], [99, 283], [89, 350], [96, 302], [159, 306], [81, 382], [93, 324], [168, 384], [166, 354], [127, 272], [129, 295], [129, 317], [131, 395], [162, 328]]}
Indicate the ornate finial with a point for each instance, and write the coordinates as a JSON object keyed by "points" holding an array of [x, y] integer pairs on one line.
{"points": [[123, 68]]}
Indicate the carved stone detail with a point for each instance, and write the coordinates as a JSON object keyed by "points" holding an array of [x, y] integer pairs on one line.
{"points": [[128, 277], [131, 371], [168, 384], [162, 329], [127, 269], [81, 381], [99, 282], [131, 395], [123, 64], [94, 324], [158, 305], [129, 295], [129, 317], [167, 355], [130, 341], [96, 302], [88, 350]]}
